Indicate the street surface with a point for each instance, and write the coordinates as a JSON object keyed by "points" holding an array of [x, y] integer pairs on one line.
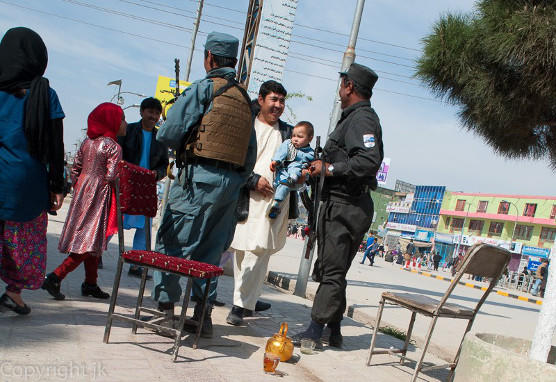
{"points": [[499, 314]]}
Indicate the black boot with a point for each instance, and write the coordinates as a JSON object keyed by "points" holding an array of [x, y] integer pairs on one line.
{"points": [[52, 285], [93, 290], [336, 339], [206, 329], [6, 302], [235, 317]]}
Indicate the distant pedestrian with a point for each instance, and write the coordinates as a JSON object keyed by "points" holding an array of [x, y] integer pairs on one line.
{"points": [[370, 252], [32, 163], [91, 216], [436, 260]]}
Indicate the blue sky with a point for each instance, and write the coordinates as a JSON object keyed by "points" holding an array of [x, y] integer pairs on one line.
{"points": [[422, 136]]}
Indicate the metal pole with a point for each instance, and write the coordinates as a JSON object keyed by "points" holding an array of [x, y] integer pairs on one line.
{"points": [[193, 38], [349, 57], [168, 182]]}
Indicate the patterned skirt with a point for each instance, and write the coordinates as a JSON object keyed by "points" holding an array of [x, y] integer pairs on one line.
{"points": [[23, 253]]}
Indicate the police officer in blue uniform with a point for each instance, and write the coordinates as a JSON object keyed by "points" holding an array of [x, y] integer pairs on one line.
{"points": [[210, 128]]}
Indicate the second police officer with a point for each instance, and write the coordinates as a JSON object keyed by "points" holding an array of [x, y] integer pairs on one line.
{"points": [[210, 128]]}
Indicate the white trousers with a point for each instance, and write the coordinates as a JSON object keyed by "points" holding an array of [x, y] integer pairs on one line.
{"points": [[249, 274]]}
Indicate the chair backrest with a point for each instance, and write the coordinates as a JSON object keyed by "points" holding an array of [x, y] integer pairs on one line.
{"points": [[485, 260], [137, 188]]}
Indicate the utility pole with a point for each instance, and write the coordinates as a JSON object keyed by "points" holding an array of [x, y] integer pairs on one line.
{"points": [[193, 39], [187, 72], [349, 57]]}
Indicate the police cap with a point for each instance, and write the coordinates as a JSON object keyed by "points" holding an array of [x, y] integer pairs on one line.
{"points": [[222, 44], [362, 75]]}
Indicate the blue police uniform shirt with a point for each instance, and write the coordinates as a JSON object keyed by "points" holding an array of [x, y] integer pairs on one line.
{"points": [[23, 179]]}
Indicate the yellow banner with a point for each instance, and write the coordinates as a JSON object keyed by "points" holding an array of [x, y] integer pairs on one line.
{"points": [[166, 90]]}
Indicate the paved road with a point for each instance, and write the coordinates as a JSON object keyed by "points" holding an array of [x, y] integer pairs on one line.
{"points": [[365, 285]]}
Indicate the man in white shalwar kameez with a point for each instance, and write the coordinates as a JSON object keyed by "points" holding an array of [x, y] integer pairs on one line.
{"points": [[258, 237]]}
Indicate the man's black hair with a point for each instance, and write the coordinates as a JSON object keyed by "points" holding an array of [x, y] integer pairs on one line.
{"points": [[223, 62], [151, 103], [272, 86], [362, 92]]}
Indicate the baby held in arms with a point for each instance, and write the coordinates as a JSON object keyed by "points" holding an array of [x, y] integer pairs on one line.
{"points": [[292, 157]]}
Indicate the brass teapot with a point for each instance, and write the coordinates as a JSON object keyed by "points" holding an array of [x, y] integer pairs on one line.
{"points": [[280, 344]]}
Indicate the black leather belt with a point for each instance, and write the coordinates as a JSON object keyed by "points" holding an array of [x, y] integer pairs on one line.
{"points": [[214, 163]]}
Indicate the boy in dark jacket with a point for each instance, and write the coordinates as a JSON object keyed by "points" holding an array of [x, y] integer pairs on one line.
{"points": [[140, 147]]}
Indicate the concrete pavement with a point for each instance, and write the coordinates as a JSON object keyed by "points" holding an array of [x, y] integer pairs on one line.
{"points": [[62, 340]]}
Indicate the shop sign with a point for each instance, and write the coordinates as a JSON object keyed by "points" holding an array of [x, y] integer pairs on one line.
{"points": [[444, 238], [534, 251], [401, 227], [423, 235], [533, 263]]}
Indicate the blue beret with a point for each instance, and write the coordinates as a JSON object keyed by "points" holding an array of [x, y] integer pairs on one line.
{"points": [[222, 44]]}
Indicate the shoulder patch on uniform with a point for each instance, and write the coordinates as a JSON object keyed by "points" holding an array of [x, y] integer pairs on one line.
{"points": [[369, 140]]}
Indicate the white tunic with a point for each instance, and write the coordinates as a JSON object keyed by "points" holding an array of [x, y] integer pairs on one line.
{"points": [[259, 232]]}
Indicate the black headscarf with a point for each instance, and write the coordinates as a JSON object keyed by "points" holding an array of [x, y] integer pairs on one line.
{"points": [[23, 59]]}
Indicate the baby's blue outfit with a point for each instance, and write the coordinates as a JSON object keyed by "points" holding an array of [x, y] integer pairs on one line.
{"points": [[291, 162]]}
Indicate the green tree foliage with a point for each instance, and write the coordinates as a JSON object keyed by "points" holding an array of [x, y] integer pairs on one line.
{"points": [[499, 65]]}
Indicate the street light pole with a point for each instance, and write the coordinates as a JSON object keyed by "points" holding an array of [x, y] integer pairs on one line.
{"points": [[349, 56], [515, 222], [462, 228]]}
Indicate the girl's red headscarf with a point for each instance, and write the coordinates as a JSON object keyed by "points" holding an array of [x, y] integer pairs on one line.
{"points": [[104, 120]]}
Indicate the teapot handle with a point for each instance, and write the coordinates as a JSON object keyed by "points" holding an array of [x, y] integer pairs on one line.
{"points": [[283, 329]]}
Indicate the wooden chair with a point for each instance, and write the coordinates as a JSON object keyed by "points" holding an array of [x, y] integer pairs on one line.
{"points": [[136, 195], [481, 260]]}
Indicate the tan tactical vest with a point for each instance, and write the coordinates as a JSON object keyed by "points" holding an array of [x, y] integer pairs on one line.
{"points": [[225, 131]]}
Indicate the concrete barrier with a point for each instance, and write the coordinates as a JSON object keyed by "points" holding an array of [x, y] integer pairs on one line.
{"points": [[492, 357]]}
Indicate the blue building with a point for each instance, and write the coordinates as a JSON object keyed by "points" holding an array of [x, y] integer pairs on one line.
{"points": [[417, 216]]}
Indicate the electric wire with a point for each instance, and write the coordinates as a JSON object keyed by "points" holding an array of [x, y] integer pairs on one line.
{"points": [[198, 50], [242, 28]]}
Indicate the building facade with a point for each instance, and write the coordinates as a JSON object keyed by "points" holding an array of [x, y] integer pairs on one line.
{"points": [[416, 216], [526, 225]]}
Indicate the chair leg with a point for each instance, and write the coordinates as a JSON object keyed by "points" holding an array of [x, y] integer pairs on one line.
{"points": [[425, 347], [140, 298], [408, 337], [184, 306], [113, 298], [203, 312], [375, 331]]}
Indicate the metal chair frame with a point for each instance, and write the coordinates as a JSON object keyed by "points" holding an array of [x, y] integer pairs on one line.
{"points": [[159, 318], [470, 264]]}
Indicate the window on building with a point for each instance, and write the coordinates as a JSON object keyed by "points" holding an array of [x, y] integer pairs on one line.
{"points": [[503, 208], [460, 205], [482, 207], [495, 228], [476, 225], [447, 221], [523, 232], [530, 209], [457, 223], [553, 212], [548, 234]]}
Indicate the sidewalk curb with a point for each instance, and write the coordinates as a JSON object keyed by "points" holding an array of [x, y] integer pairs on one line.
{"points": [[475, 286], [287, 285]]}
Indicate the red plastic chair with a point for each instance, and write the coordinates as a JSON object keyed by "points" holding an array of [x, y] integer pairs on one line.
{"points": [[136, 195]]}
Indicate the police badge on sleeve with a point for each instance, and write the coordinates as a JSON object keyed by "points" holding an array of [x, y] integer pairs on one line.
{"points": [[369, 140]]}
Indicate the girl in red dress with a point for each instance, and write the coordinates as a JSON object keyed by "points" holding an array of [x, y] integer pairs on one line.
{"points": [[86, 230]]}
